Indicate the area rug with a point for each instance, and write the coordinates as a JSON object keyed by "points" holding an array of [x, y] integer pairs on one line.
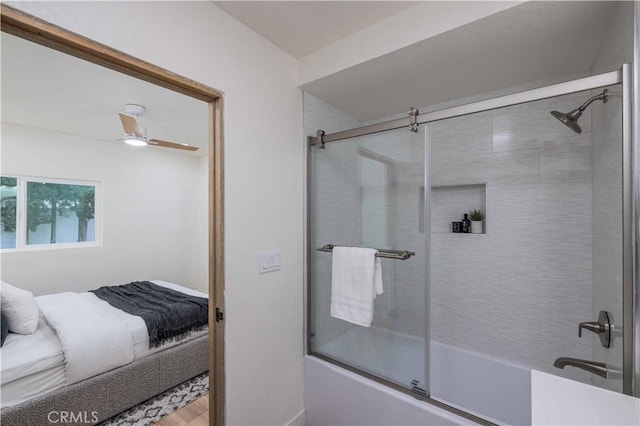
{"points": [[151, 411]]}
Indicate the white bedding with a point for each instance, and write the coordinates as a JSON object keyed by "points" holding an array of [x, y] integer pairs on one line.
{"points": [[33, 365], [93, 338], [26, 354]]}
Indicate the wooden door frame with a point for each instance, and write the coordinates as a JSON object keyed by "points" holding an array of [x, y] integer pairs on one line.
{"points": [[28, 27]]}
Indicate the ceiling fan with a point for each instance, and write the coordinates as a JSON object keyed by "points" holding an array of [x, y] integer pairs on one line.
{"points": [[133, 134]]}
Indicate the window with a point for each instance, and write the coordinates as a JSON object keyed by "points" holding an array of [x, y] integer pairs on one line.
{"points": [[47, 213], [9, 211]]}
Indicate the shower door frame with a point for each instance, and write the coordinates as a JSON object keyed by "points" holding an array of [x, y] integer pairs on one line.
{"points": [[630, 197]]}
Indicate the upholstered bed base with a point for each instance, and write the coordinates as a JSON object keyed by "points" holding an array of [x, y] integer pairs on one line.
{"points": [[104, 396]]}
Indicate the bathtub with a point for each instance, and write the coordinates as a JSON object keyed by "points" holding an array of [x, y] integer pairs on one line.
{"points": [[480, 385]]}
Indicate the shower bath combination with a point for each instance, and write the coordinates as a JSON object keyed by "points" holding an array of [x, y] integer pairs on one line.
{"points": [[570, 119], [432, 336]]}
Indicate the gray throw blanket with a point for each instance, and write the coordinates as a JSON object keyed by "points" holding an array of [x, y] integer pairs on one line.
{"points": [[170, 315]]}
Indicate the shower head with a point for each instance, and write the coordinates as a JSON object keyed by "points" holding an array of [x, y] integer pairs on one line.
{"points": [[570, 119]]}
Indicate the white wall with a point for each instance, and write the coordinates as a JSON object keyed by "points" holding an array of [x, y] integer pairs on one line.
{"points": [[145, 196], [263, 179]]}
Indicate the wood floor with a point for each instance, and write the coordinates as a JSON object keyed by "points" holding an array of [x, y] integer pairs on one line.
{"points": [[193, 414]]}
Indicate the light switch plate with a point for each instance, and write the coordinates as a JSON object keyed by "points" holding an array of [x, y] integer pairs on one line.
{"points": [[269, 261]]}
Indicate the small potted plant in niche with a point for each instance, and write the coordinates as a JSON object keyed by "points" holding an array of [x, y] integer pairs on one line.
{"points": [[476, 216]]}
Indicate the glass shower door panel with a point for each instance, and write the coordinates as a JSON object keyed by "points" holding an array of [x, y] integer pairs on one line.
{"points": [[369, 192], [607, 265], [509, 299]]}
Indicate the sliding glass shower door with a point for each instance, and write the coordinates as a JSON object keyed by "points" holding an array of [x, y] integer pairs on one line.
{"points": [[521, 245], [510, 298], [369, 192]]}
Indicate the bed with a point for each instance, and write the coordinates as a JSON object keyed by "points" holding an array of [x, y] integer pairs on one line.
{"points": [[73, 369]]}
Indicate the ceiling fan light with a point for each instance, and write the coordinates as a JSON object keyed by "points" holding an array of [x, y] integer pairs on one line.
{"points": [[135, 141]]}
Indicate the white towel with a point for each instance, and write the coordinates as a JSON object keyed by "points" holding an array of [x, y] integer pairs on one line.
{"points": [[356, 279]]}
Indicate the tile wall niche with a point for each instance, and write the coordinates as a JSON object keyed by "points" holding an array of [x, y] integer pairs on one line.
{"points": [[450, 203]]}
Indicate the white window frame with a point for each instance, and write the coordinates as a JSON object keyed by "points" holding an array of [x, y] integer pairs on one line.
{"points": [[21, 214]]}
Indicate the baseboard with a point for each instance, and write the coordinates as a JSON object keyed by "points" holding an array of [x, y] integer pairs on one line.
{"points": [[299, 420]]}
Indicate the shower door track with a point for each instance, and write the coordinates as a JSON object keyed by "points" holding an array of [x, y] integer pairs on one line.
{"points": [[579, 85]]}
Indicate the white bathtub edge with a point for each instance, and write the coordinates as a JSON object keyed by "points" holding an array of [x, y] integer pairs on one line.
{"points": [[401, 398], [560, 401]]}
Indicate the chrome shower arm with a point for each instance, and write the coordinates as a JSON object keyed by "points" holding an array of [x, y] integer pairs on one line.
{"points": [[570, 119], [602, 96]]}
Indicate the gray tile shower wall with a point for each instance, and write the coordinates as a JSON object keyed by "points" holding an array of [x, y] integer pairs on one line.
{"points": [[517, 292]]}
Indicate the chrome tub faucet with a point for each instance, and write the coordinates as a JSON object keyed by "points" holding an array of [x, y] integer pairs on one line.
{"points": [[599, 368]]}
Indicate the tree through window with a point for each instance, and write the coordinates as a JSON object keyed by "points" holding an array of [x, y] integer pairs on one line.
{"points": [[54, 212]]}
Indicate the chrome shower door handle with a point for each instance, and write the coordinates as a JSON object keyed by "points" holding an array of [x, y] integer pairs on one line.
{"points": [[602, 328]]}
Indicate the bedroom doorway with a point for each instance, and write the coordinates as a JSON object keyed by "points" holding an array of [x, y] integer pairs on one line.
{"points": [[27, 27]]}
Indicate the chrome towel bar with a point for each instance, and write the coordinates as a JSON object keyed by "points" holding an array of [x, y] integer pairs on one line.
{"points": [[388, 254]]}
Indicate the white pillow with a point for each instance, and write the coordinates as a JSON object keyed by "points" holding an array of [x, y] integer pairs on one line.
{"points": [[19, 308]]}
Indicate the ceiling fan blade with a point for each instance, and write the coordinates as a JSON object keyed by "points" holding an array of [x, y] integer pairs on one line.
{"points": [[166, 144], [130, 125]]}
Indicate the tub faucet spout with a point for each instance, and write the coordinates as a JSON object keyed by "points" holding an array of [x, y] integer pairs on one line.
{"points": [[599, 368]]}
